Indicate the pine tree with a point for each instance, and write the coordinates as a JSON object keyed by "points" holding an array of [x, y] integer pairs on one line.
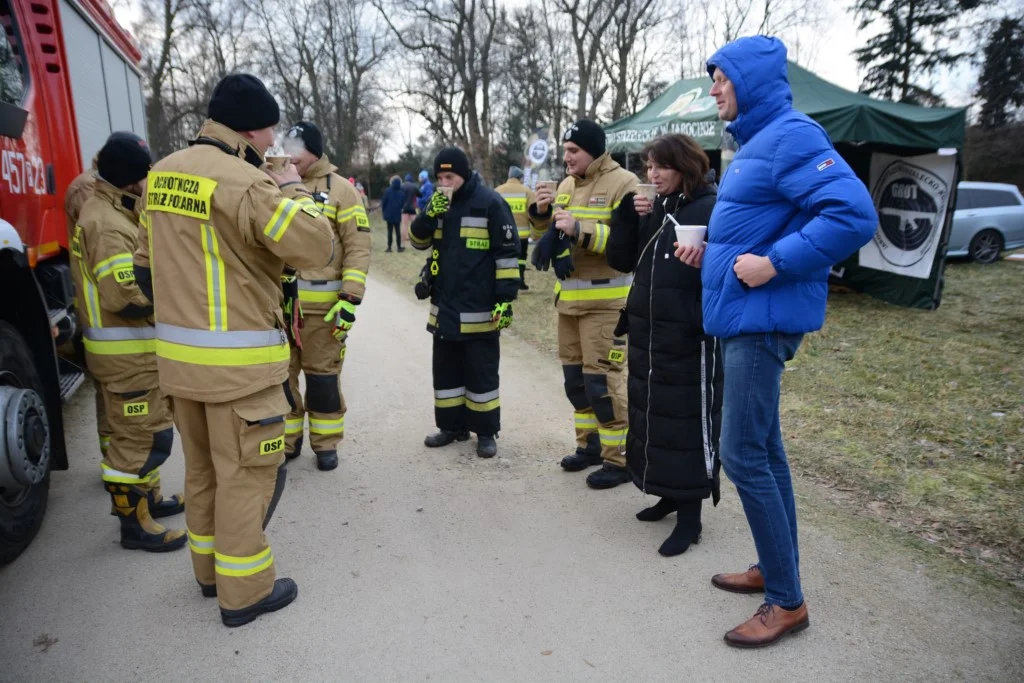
{"points": [[915, 43], [1001, 83]]}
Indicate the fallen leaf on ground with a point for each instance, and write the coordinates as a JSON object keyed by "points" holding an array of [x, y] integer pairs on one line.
{"points": [[547, 652]]}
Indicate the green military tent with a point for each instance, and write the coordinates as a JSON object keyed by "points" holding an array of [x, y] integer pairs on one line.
{"points": [[847, 116], [894, 148]]}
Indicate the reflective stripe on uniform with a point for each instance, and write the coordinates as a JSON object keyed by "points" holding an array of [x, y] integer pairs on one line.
{"points": [[482, 403], [599, 240], [478, 233], [118, 477], [327, 426], [221, 348], [575, 289], [449, 398], [319, 291], [329, 211], [117, 262], [200, 545], [613, 437], [231, 565], [216, 285], [92, 298], [508, 268], [589, 213], [473, 222], [353, 275], [585, 420], [294, 426], [114, 341], [477, 322], [282, 218], [350, 213]]}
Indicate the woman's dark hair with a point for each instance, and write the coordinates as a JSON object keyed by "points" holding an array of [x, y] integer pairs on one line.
{"points": [[680, 153]]}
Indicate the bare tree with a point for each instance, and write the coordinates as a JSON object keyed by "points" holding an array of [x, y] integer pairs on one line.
{"points": [[589, 21], [632, 54], [453, 43]]}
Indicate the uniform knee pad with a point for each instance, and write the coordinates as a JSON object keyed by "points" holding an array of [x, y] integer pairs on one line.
{"points": [[597, 394], [574, 386], [288, 395], [322, 395], [163, 441]]}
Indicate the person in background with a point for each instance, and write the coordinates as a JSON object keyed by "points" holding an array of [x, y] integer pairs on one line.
{"points": [[426, 190], [675, 369], [789, 207], [391, 205], [411, 189], [519, 198]]}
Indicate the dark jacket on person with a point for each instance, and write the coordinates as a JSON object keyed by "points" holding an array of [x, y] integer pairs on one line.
{"points": [[410, 189], [675, 370], [475, 248], [392, 202]]}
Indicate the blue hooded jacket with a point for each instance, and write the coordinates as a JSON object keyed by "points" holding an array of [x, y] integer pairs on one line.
{"points": [[787, 195], [392, 201], [426, 190]]}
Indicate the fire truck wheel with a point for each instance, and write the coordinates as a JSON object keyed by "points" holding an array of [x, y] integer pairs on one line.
{"points": [[24, 446]]}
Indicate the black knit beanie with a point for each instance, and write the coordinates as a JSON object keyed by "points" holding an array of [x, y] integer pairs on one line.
{"points": [[124, 159], [586, 135], [311, 137], [452, 160], [241, 102]]}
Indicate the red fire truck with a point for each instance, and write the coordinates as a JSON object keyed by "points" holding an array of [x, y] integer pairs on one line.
{"points": [[68, 78]]}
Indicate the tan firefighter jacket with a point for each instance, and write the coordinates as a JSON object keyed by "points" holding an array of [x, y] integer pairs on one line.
{"points": [[593, 285], [79, 190], [118, 326], [519, 198], [220, 232], [342, 204]]}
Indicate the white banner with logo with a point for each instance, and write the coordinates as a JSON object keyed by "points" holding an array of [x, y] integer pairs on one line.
{"points": [[911, 195]]}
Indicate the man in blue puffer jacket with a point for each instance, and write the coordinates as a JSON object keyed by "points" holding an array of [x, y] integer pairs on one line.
{"points": [[788, 208]]}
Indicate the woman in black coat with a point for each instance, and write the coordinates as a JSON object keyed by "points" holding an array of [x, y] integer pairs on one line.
{"points": [[675, 370]]}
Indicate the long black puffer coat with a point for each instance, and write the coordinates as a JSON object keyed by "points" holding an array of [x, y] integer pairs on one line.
{"points": [[675, 370]]}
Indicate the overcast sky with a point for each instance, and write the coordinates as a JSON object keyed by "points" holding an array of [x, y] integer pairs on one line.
{"points": [[833, 61]]}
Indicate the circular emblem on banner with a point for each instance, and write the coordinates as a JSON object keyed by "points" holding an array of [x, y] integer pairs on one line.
{"points": [[908, 198], [538, 152], [690, 102]]}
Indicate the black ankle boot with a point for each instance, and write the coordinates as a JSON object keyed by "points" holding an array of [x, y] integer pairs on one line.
{"points": [[581, 460], [326, 460], [444, 437], [687, 531], [657, 512], [486, 446], [285, 591]]}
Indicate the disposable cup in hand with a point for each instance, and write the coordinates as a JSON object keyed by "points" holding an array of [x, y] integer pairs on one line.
{"points": [[278, 163], [690, 235], [649, 192], [551, 185], [448, 191]]}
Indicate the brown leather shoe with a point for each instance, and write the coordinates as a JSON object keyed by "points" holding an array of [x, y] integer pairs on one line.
{"points": [[750, 581], [768, 625]]}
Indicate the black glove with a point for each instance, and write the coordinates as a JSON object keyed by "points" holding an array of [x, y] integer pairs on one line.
{"points": [[545, 249], [562, 259], [422, 288]]}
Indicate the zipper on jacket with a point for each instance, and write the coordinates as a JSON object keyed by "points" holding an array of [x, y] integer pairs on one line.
{"points": [[650, 344]]}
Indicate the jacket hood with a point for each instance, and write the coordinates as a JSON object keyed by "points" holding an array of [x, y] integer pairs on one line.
{"points": [[757, 68], [599, 166], [230, 140], [125, 202], [319, 168], [396, 184]]}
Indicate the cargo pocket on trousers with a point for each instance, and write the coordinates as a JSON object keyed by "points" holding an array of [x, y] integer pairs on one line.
{"points": [[261, 424], [613, 350]]}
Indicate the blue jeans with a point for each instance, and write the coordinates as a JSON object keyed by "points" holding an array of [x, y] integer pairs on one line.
{"points": [[754, 457]]}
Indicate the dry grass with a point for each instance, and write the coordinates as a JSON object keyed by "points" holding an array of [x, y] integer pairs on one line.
{"points": [[915, 417]]}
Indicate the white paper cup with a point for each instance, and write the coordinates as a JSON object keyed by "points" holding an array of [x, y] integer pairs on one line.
{"points": [[278, 163], [448, 191], [690, 235], [550, 184], [647, 191]]}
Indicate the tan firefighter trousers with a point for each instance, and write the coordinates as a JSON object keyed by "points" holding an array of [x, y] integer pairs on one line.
{"points": [[102, 425], [594, 368], [141, 437], [320, 358], [232, 454]]}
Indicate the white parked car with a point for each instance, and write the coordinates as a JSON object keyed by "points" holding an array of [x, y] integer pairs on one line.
{"points": [[989, 218]]}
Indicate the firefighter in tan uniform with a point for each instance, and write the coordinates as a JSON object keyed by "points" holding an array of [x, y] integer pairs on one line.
{"points": [[519, 198], [589, 301], [79, 190], [119, 346], [320, 350], [220, 231]]}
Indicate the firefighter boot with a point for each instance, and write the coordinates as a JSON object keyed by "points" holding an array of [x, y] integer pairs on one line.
{"points": [[297, 452], [326, 460], [444, 437], [486, 447], [160, 506], [284, 592], [138, 530], [584, 457]]}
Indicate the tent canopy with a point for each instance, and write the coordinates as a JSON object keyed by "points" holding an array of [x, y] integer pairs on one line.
{"points": [[847, 116]]}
